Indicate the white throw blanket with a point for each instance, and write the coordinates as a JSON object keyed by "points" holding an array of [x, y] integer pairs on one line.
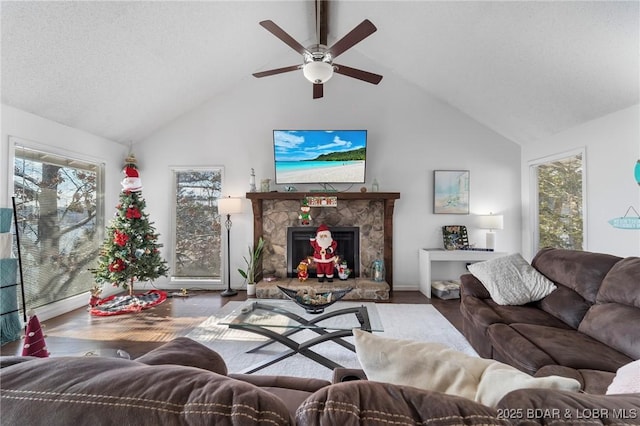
{"points": [[436, 367]]}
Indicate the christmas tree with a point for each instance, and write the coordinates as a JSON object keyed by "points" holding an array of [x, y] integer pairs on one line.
{"points": [[130, 251]]}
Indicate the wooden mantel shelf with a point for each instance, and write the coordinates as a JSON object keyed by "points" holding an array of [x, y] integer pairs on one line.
{"points": [[388, 199]]}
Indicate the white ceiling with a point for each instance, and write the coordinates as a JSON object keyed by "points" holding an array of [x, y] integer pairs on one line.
{"points": [[122, 70]]}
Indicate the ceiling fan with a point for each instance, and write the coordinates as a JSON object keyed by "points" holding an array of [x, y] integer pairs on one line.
{"points": [[317, 60]]}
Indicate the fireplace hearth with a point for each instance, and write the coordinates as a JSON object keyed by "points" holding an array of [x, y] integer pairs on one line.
{"points": [[299, 248]]}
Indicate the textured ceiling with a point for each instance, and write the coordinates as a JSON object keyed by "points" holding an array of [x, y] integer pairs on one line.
{"points": [[524, 69]]}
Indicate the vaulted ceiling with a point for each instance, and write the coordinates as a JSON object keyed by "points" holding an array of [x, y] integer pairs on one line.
{"points": [[122, 69]]}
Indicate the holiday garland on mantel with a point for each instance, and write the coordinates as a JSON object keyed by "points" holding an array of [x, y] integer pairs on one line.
{"points": [[130, 251]]}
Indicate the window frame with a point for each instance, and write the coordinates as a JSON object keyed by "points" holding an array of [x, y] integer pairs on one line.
{"points": [[210, 282], [16, 144], [533, 191]]}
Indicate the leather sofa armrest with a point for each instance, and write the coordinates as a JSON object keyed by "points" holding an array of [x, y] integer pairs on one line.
{"points": [[471, 286], [187, 352], [286, 382], [348, 374], [9, 360]]}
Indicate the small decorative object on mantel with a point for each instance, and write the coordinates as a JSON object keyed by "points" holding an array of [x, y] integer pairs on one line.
{"points": [[305, 212], [322, 201], [265, 185], [626, 221], [312, 301], [252, 181], [455, 237]]}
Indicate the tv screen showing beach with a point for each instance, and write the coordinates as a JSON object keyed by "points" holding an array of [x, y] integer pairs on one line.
{"points": [[320, 156]]}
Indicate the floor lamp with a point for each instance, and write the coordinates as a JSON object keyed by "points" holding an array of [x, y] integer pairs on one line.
{"points": [[491, 222], [228, 206]]}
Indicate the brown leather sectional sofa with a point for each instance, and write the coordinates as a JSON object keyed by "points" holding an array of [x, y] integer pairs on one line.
{"points": [[586, 329], [186, 383]]}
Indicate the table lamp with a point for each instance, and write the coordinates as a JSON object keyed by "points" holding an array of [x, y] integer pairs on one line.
{"points": [[229, 206], [491, 222]]}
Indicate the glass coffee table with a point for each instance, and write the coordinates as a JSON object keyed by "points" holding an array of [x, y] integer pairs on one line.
{"points": [[278, 320]]}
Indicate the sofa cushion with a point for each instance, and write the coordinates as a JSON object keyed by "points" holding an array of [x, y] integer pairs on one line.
{"points": [[581, 271], [571, 348], [591, 381], [188, 352], [615, 325], [621, 283], [626, 380], [566, 305], [514, 349], [356, 403], [511, 280], [527, 314], [436, 367], [97, 390]]}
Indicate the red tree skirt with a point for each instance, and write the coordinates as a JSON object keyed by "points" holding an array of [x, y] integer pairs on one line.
{"points": [[126, 304]]}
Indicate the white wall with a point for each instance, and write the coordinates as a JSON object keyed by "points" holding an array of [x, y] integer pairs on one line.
{"points": [[612, 145], [67, 141], [410, 135]]}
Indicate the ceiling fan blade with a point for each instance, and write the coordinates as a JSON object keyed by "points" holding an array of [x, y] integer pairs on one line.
{"points": [[367, 76], [274, 29], [359, 33], [318, 91], [276, 71], [322, 21]]}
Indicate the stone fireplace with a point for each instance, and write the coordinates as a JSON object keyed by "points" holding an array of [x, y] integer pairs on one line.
{"points": [[370, 212]]}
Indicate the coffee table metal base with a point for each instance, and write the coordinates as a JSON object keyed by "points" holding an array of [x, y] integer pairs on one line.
{"points": [[303, 348]]}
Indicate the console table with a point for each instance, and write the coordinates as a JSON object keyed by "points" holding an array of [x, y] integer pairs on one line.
{"points": [[427, 256]]}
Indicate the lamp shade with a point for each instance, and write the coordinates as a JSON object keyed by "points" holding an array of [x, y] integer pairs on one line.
{"points": [[317, 71], [491, 221], [229, 205]]}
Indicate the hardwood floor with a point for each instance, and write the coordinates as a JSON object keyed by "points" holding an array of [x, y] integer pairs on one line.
{"points": [[78, 332]]}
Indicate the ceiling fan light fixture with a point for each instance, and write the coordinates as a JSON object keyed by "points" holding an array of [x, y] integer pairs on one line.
{"points": [[317, 72]]}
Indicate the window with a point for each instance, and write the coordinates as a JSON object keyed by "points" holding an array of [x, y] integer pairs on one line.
{"points": [[559, 202], [197, 250], [59, 206]]}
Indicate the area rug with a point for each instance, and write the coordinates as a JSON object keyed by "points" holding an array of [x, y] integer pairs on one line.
{"points": [[127, 304], [400, 321]]}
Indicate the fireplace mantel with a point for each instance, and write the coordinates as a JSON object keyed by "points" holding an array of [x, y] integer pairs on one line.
{"points": [[387, 199]]}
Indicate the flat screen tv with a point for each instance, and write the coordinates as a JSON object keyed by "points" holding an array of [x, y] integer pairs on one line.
{"points": [[320, 156]]}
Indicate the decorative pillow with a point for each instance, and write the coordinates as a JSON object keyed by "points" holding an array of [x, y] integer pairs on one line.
{"points": [[436, 367], [627, 379], [511, 280]]}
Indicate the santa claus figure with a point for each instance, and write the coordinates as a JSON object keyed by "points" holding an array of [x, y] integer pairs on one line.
{"points": [[324, 248], [131, 182]]}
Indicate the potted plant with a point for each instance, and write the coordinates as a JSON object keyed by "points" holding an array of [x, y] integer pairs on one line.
{"points": [[252, 262]]}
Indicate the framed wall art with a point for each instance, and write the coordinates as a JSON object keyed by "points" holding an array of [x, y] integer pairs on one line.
{"points": [[451, 191]]}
